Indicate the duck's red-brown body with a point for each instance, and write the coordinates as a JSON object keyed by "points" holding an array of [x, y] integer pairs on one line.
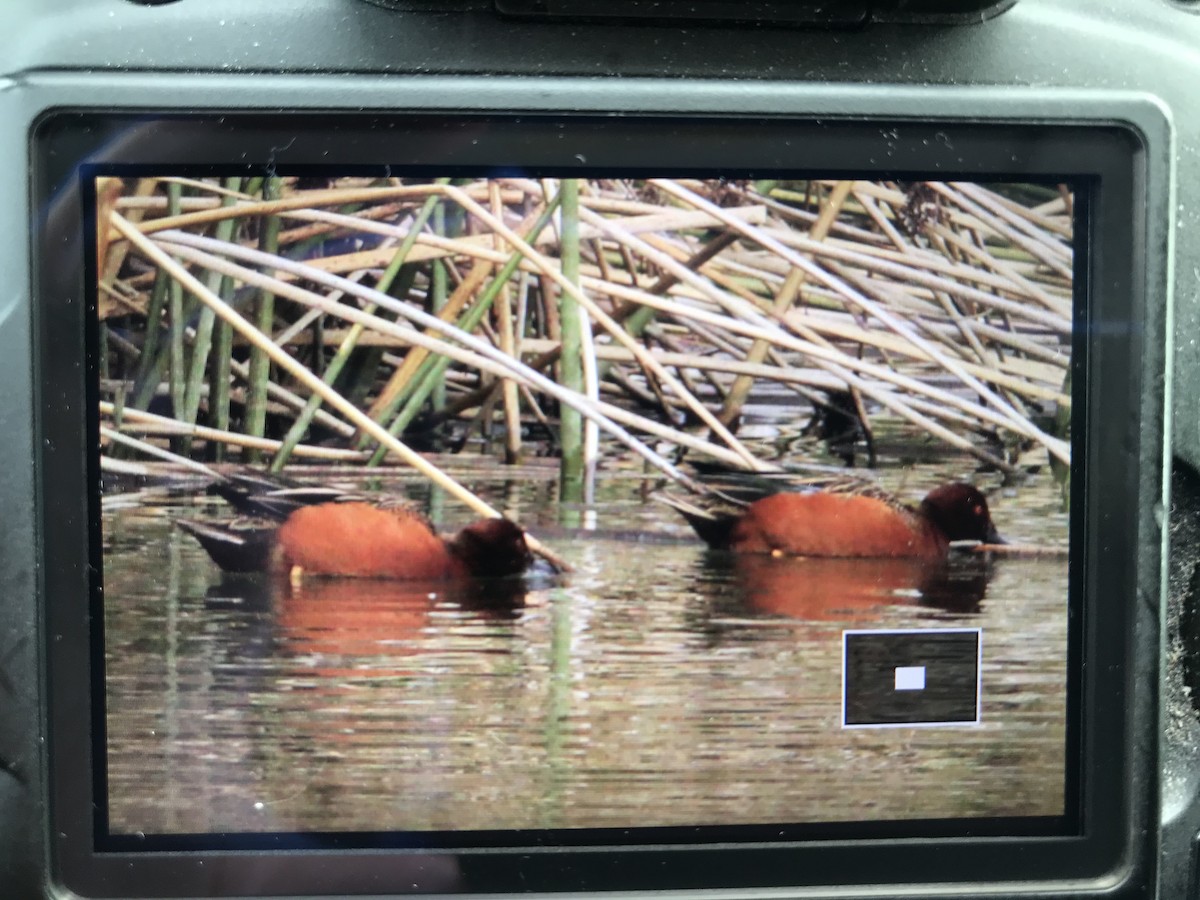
{"points": [[360, 540], [324, 533], [820, 524], [840, 523]]}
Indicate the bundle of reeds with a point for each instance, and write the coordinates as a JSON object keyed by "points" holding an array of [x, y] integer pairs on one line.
{"points": [[278, 318]]}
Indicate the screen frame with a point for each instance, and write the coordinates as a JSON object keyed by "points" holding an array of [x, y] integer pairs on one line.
{"points": [[1118, 365]]}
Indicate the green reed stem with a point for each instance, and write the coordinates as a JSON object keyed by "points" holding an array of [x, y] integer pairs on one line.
{"points": [[571, 473], [432, 372], [175, 305], [104, 373], [151, 360], [439, 289], [218, 389], [202, 343], [260, 363], [334, 369]]}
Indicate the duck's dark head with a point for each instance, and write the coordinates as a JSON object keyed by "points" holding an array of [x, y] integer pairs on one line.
{"points": [[960, 512], [492, 548]]}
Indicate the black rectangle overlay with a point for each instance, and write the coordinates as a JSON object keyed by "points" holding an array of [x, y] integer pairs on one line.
{"points": [[950, 684]]}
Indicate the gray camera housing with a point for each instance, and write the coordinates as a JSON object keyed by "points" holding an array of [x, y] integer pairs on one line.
{"points": [[1133, 62]]}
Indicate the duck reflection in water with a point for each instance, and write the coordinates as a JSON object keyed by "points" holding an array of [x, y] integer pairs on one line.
{"points": [[344, 666], [829, 589], [340, 619]]}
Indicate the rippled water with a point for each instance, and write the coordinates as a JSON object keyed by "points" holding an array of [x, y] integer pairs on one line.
{"points": [[655, 685]]}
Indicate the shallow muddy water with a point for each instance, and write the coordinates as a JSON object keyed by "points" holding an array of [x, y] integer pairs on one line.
{"points": [[656, 685]]}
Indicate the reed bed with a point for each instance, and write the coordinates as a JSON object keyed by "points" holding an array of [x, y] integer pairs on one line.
{"points": [[374, 321]]}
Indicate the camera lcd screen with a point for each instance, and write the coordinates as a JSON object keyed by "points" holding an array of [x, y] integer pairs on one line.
{"points": [[887, 366], [458, 500]]}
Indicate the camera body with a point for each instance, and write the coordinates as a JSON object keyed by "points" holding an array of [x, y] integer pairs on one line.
{"points": [[1041, 62]]}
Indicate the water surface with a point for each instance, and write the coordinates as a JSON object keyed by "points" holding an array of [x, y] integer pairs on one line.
{"points": [[657, 685]]}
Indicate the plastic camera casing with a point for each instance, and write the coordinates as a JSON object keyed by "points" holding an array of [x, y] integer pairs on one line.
{"points": [[1132, 63]]}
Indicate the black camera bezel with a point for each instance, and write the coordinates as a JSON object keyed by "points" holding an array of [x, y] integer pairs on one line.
{"points": [[1110, 156]]}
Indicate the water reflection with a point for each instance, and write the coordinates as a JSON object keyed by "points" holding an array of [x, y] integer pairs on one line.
{"points": [[658, 684], [345, 618], [855, 590]]}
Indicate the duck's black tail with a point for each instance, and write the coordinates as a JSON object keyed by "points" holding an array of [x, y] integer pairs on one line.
{"points": [[241, 550], [714, 524], [739, 487], [255, 494]]}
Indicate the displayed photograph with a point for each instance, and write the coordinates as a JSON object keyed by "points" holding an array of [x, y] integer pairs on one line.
{"points": [[477, 507]]}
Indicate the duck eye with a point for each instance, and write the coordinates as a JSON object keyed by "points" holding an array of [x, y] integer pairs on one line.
{"points": [[979, 510]]}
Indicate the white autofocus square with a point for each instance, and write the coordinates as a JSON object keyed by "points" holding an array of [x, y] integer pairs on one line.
{"points": [[910, 678]]}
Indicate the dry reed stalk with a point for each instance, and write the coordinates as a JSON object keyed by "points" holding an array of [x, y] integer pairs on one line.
{"points": [[743, 269], [896, 199], [719, 364], [969, 328], [606, 415], [992, 202], [436, 246], [151, 450], [462, 294], [122, 467], [1050, 254], [282, 395], [207, 186], [429, 246], [675, 219], [880, 292], [1059, 206], [312, 382], [432, 374], [1013, 340], [834, 361], [1017, 283], [672, 345], [315, 229], [706, 288], [711, 271], [930, 307], [784, 300], [615, 331], [145, 204], [332, 197], [150, 423], [480, 354], [1019, 383], [693, 263], [120, 304], [1005, 418], [1015, 421], [290, 333], [844, 231], [621, 206], [882, 222], [1058, 316], [504, 314], [938, 264], [1056, 224], [110, 262]]}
